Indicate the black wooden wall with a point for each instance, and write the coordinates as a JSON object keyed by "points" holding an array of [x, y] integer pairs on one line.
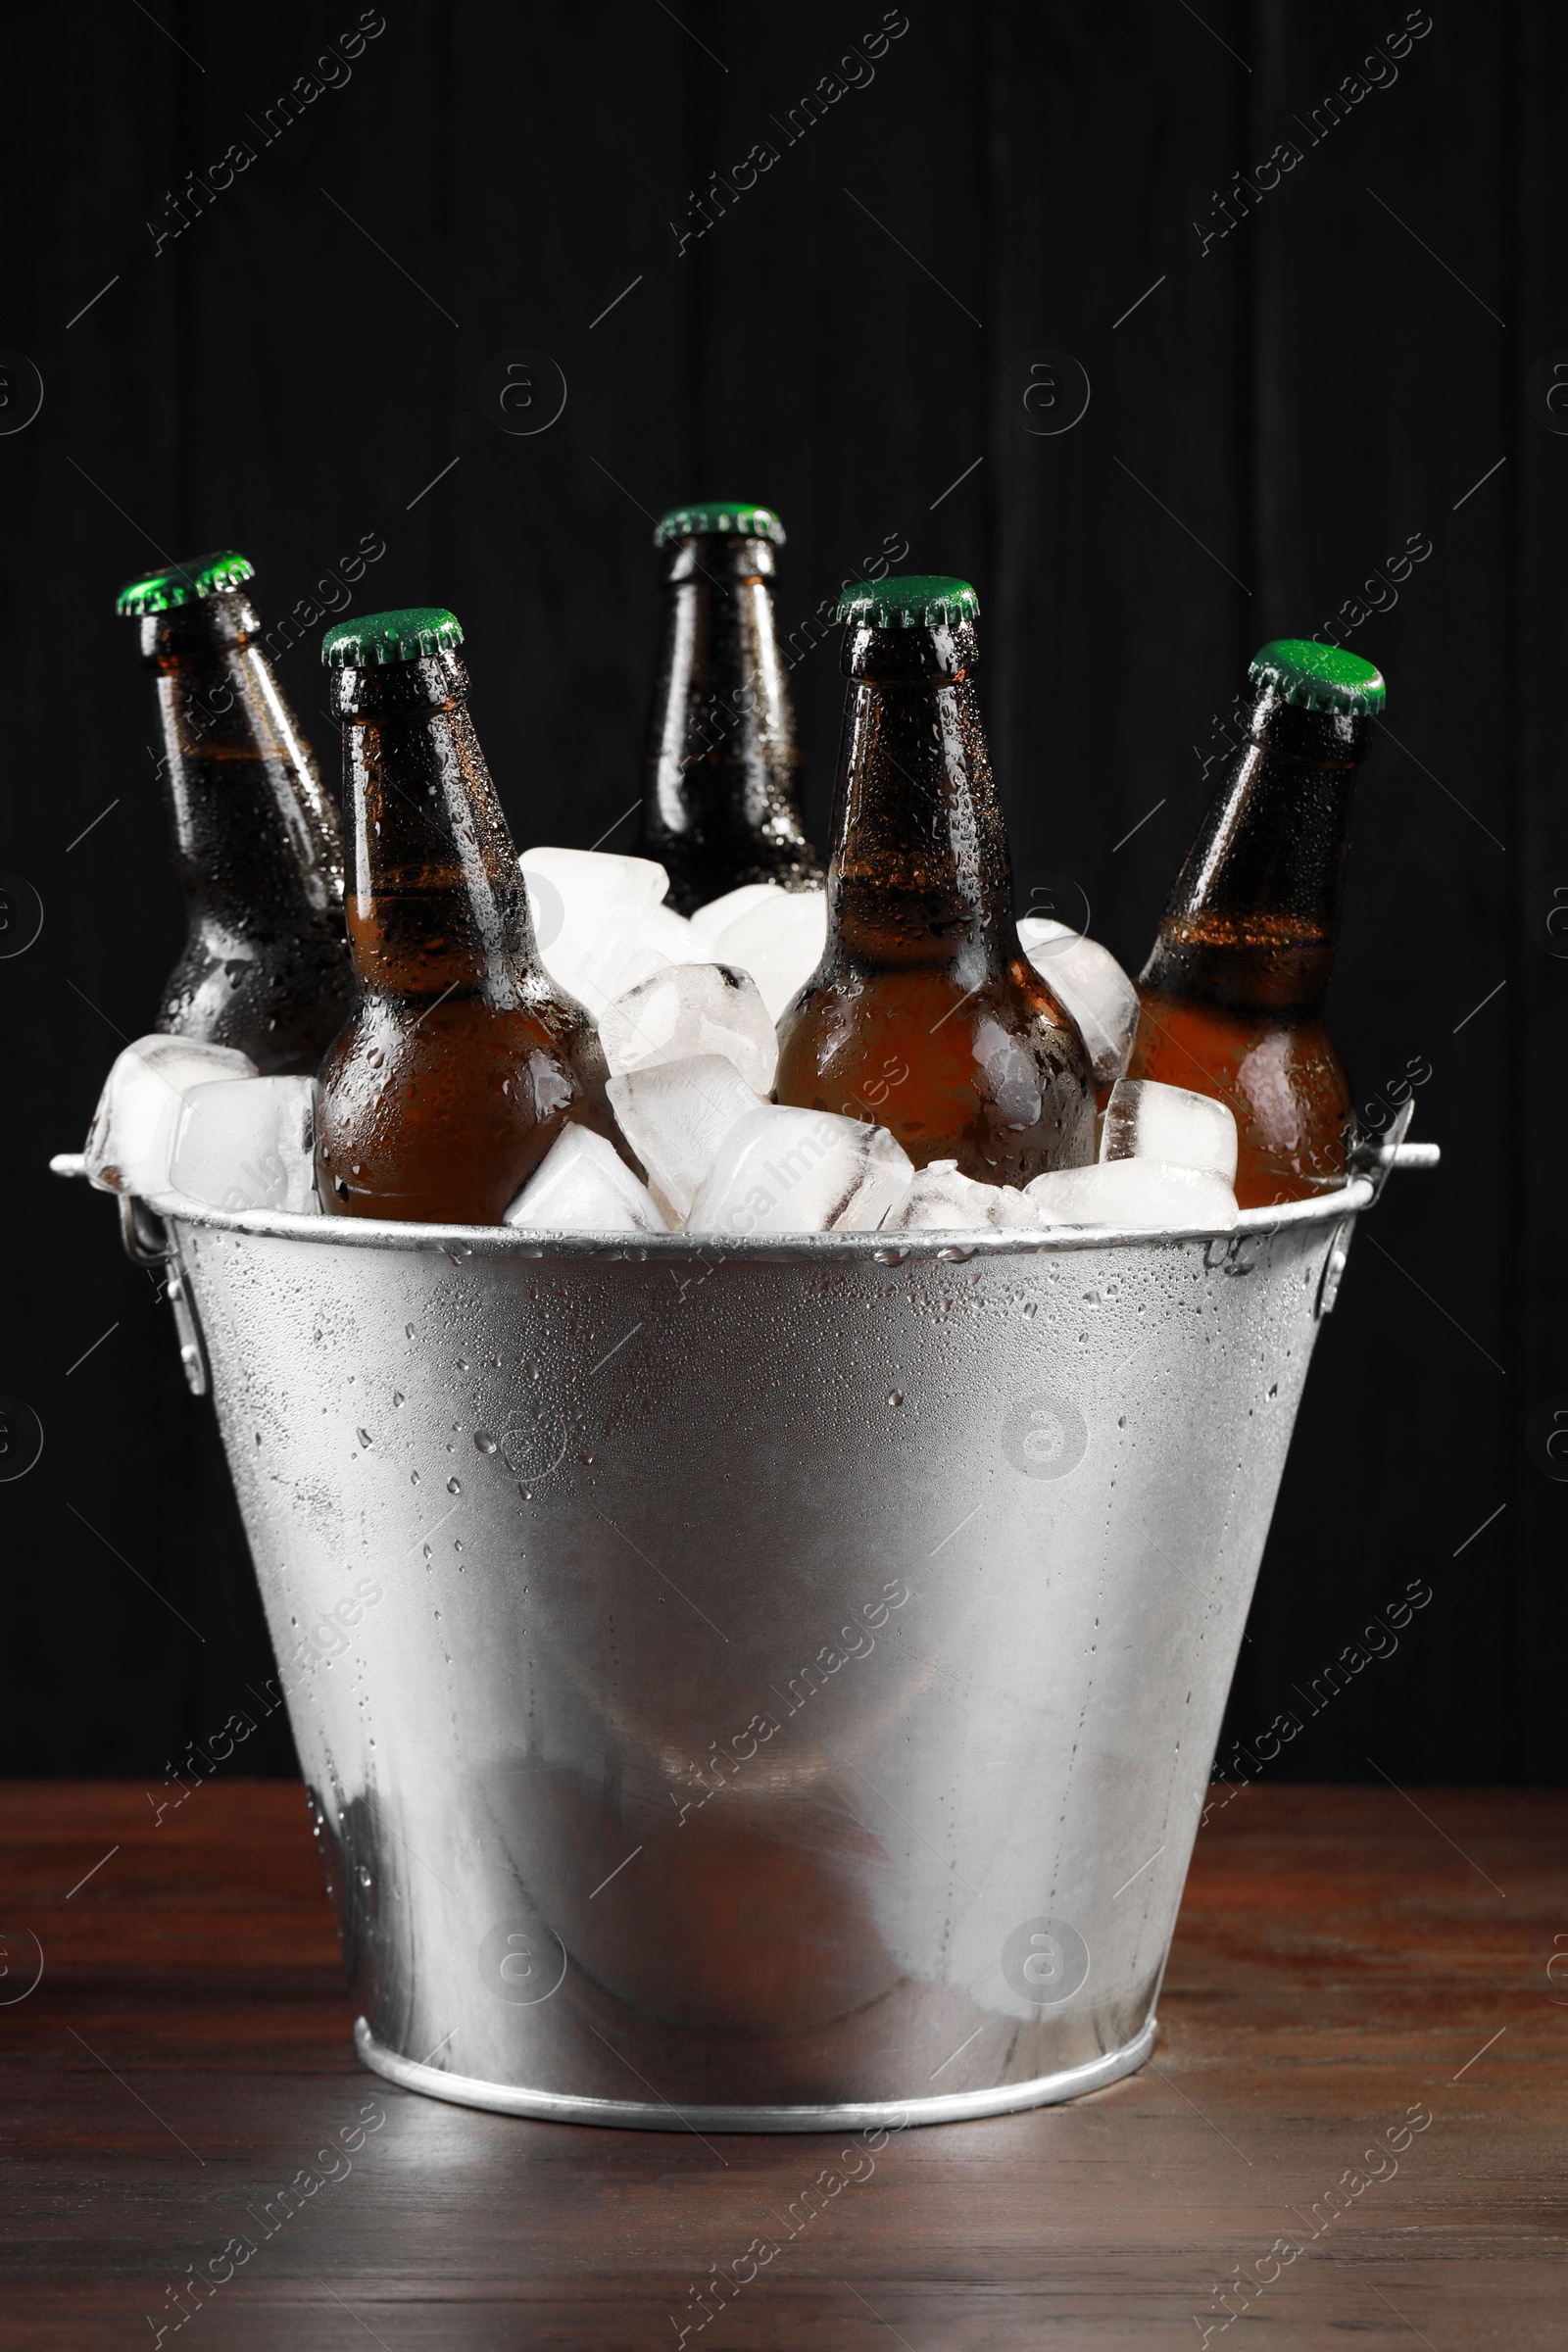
{"points": [[1294, 382]]}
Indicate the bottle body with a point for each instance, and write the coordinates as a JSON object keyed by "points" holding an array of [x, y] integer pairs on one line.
{"points": [[925, 1016], [462, 1061], [257, 847], [720, 768], [1230, 998], [1280, 1074]]}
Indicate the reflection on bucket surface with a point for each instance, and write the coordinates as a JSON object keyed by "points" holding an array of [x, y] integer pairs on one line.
{"points": [[796, 1673]]}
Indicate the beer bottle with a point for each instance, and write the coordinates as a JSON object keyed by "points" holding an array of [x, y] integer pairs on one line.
{"points": [[1232, 995], [256, 848], [462, 1061], [720, 801], [924, 1013]]}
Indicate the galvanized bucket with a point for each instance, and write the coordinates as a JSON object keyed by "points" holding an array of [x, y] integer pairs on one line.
{"points": [[758, 1688]]}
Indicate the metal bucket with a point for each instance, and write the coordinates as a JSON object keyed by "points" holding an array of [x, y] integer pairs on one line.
{"points": [[769, 1688]]}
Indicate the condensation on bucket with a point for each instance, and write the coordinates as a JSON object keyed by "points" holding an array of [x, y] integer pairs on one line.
{"points": [[778, 1687]]}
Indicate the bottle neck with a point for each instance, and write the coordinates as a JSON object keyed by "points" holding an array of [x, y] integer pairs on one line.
{"points": [[257, 847], [720, 762], [1254, 917], [436, 902], [921, 872]]}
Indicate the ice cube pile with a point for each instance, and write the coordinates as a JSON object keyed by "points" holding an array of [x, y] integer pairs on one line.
{"points": [[687, 1013]]}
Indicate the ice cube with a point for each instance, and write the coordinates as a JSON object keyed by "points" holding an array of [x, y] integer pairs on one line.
{"points": [[779, 939], [941, 1200], [1135, 1192], [676, 1114], [1092, 986], [133, 1132], [248, 1143], [661, 941], [588, 909], [1146, 1120], [710, 920], [582, 1185], [780, 1170], [688, 1011]]}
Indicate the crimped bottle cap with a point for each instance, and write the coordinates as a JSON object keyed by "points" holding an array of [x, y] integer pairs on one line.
{"points": [[911, 600], [1319, 677], [412, 634], [729, 516], [182, 584]]}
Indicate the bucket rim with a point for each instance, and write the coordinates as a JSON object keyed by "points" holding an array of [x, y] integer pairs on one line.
{"points": [[806, 1248]]}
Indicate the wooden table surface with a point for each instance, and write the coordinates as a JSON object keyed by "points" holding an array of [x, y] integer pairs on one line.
{"points": [[1363, 1999]]}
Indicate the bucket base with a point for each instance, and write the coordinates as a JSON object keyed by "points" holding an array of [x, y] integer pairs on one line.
{"points": [[649, 2115]]}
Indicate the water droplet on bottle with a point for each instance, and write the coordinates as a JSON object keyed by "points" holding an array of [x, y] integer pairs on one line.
{"points": [[453, 1485], [397, 1396], [485, 1445], [408, 1331], [425, 1548], [364, 1876], [365, 1437], [894, 1397], [413, 1478], [463, 1363]]}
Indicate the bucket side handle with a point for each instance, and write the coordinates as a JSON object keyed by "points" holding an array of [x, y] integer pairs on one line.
{"points": [[1376, 1160], [1376, 1157], [149, 1241]]}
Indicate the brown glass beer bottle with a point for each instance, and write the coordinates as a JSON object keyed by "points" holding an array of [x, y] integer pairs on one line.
{"points": [[462, 1061], [720, 802], [256, 848], [924, 1013], [1232, 995]]}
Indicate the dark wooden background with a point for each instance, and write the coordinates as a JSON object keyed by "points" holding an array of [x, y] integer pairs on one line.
{"points": [[1278, 416]]}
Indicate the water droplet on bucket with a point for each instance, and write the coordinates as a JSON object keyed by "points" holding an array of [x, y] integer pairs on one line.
{"points": [[453, 1485], [485, 1445], [413, 1478], [894, 1397], [365, 1437], [397, 1396]]}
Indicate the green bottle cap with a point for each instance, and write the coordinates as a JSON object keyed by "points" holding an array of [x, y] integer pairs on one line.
{"points": [[181, 584], [730, 516], [911, 600], [1319, 677], [411, 635]]}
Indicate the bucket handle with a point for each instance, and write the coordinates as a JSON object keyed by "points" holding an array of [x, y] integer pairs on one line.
{"points": [[1376, 1157], [1376, 1160], [149, 1241]]}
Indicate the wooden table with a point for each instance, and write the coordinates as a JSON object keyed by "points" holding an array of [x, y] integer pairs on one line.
{"points": [[1350, 1962]]}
